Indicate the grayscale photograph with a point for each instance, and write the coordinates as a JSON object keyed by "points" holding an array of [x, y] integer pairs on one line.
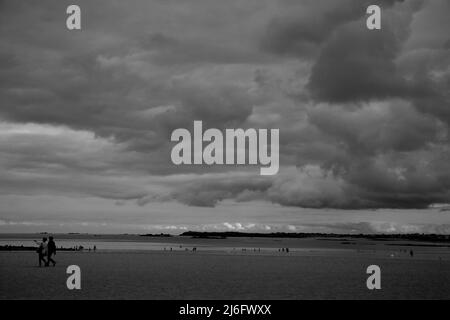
{"points": [[238, 150]]}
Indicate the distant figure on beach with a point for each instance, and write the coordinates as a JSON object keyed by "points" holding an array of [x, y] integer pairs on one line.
{"points": [[51, 250], [411, 253], [42, 251], [95, 248], [287, 250]]}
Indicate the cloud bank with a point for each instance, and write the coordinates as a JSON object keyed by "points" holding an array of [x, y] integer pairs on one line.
{"points": [[363, 116]]}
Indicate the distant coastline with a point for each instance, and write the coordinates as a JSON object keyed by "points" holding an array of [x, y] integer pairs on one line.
{"points": [[376, 237], [234, 234]]}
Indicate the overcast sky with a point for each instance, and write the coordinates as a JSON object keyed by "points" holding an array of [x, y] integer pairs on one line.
{"points": [[86, 116]]}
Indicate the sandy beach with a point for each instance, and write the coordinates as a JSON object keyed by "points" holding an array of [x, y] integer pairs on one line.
{"points": [[329, 270]]}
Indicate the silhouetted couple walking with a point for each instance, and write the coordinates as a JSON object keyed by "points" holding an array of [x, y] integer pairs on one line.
{"points": [[46, 249]]}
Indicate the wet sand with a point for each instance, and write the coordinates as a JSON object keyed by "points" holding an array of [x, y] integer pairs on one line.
{"points": [[303, 274]]}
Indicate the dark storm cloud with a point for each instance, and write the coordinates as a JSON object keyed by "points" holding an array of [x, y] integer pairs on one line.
{"points": [[207, 191], [370, 183], [167, 50], [97, 87], [355, 65], [221, 107], [305, 25], [437, 101], [403, 127], [363, 115]]}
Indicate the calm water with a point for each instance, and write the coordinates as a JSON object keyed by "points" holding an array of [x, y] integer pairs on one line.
{"points": [[129, 245], [235, 246], [101, 245]]}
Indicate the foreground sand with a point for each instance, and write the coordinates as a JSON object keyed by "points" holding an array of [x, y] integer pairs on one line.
{"points": [[221, 275]]}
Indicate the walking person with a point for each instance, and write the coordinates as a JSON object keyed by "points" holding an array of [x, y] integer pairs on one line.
{"points": [[42, 251], [51, 250]]}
